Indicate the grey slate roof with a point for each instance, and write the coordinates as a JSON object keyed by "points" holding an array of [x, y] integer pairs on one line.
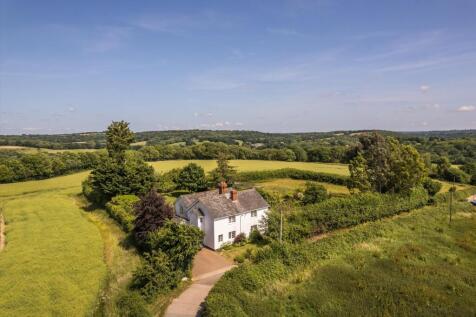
{"points": [[221, 206]]}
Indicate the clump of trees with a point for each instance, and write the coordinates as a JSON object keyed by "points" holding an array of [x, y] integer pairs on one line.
{"points": [[446, 172], [118, 173], [385, 165], [192, 178], [224, 171]]}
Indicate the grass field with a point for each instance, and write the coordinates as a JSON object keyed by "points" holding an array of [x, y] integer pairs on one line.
{"points": [[255, 165], [411, 265], [52, 264], [287, 185], [447, 185]]}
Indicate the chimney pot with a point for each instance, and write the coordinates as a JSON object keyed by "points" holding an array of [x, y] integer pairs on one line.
{"points": [[222, 188], [234, 195]]}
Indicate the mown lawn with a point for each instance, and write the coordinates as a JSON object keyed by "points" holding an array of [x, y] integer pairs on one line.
{"points": [[53, 263], [412, 265], [255, 165]]}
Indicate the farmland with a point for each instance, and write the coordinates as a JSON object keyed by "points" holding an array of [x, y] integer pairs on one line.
{"points": [[52, 250], [255, 165]]}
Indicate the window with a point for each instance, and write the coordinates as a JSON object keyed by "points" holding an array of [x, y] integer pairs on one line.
{"points": [[254, 213], [220, 238], [231, 234], [201, 219], [253, 228], [231, 219]]}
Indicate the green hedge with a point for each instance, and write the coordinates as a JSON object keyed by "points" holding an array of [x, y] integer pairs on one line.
{"points": [[294, 174], [343, 212], [121, 209]]}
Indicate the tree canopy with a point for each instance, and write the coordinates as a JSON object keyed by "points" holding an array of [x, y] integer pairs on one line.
{"points": [[192, 178]]}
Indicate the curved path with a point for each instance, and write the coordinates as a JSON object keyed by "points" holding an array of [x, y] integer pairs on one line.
{"points": [[208, 267]]}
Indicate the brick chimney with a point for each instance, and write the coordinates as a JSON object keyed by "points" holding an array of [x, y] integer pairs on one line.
{"points": [[222, 187], [234, 195]]}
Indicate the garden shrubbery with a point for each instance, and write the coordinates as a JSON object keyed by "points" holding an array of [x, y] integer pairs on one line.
{"points": [[121, 209]]}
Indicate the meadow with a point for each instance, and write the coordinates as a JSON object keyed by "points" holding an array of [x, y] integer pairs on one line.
{"points": [[32, 150], [414, 264], [255, 165], [52, 264], [285, 186]]}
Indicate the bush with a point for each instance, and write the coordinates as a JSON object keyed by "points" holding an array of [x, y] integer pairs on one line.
{"points": [[179, 242], [132, 305], [240, 239], [256, 237], [432, 187], [314, 193], [155, 275], [92, 195], [121, 209], [454, 174]]}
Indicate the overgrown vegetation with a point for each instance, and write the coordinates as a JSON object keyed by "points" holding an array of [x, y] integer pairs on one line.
{"points": [[415, 264]]}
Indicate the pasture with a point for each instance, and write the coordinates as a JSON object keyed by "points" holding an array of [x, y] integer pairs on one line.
{"points": [[52, 264], [33, 150], [255, 165]]}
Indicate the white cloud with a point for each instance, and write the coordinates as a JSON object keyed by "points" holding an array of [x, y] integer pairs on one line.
{"points": [[466, 109], [71, 109], [424, 88], [285, 32]]}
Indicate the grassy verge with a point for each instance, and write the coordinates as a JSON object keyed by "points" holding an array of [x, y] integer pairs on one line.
{"points": [[411, 265]]}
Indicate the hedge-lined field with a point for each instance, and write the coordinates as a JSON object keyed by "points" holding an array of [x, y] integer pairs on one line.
{"points": [[286, 186], [53, 263], [256, 165], [412, 265]]}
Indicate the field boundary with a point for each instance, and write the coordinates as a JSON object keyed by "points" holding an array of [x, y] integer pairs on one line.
{"points": [[2, 234]]}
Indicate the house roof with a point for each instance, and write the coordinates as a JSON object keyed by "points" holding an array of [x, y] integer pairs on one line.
{"points": [[220, 205]]}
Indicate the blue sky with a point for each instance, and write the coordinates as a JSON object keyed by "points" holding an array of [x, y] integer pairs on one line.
{"points": [[69, 66]]}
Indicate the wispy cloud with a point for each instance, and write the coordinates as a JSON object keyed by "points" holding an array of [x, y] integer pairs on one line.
{"points": [[466, 109], [107, 38], [286, 32]]}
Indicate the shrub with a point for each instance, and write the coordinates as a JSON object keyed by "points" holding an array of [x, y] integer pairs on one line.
{"points": [[121, 209], [92, 195], [179, 242], [314, 193], [240, 239], [152, 212], [132, 305], [454, 174], [432, 187], [239, 258], [156, 274], [256, 237]]}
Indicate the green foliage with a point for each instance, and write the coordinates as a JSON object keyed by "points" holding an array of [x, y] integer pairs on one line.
{"points": [[470, 169], [155, 275], [118, 139], [152, 212], [18, 166], [432, 187], [192, 178], [256, 237], [111, 178], [293, 174], [224, 172], [314, 193], [343, 212], [179, 242], [121, 209], [385, 165], [240, 239], [167, 182], [400, 267], [131, 304]]}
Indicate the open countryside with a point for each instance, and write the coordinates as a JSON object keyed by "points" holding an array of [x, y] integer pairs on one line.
{"points": [[237, 158]]}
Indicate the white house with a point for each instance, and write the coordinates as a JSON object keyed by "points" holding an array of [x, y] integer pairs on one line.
{"points": [[222, 214]]}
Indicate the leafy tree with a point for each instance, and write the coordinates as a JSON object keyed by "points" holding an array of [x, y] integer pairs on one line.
{"points": [[118, 139], [431, 186], [192, 178], [442, 167], [223, 172], [314, 193], [156, 274], [386, 165], [152, 212], [179, 241]]}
